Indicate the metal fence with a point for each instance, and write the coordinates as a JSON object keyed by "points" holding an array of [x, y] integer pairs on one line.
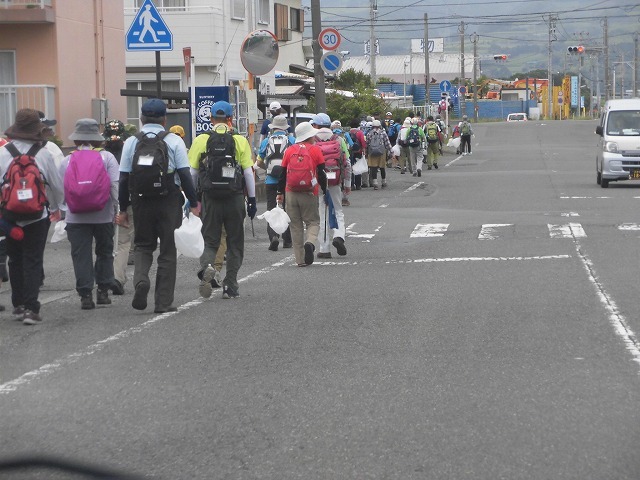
{"points": [[25, 3], [15, 97]]}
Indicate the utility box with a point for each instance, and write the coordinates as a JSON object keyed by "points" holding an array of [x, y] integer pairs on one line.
{"points": [[100, 110]]}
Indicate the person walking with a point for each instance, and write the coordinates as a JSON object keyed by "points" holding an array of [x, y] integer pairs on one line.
{"points": [[85, 223], [379, 150], [357, 150], [302, 177], [26, 136], [338, 171], [414, 141], [433, 135], [148, 167], [270, 154], [404, 147], [221, 162], [465, 135]]}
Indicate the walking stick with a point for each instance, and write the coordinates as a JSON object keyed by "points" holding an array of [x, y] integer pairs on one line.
{"points": [[326, 208]]}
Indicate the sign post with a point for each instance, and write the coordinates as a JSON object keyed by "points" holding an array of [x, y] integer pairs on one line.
{"points": [[331, 62], [329, 39]]}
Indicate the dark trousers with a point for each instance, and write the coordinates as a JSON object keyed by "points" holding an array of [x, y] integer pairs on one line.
{"points": [[465, 140], [25, 264], [81, 236], [271, 191], [356, 180], [230, 212], [157, 218]]}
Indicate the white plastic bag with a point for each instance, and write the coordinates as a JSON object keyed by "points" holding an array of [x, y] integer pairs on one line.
{"points": [[59, 232], [454, 142], [277, 219], [188, 237], [395, 150], [360, 166]]}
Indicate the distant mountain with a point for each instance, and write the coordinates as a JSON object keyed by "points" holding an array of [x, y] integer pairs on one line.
{"points": [[517, 28]]}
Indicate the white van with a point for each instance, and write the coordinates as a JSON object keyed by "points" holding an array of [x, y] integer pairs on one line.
{"points": [[618, 156]]}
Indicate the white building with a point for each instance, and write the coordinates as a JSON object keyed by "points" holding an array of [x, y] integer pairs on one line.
{"points": [[215, 31]]}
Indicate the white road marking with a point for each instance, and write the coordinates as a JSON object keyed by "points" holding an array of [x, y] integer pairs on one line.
{"points": [[453, 161], [445, 260], [488, 230], [384, 205], [429, 230], [629, 226], [569, 230], [43, 371], [616, 319], [413, 187], [570, 214], [579, 198], [367, 236]]}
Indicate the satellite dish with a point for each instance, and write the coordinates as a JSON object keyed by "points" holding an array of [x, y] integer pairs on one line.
{"points": [[259, 52]]}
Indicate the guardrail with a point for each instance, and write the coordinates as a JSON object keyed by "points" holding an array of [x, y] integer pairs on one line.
{"points": [[15, 97]]}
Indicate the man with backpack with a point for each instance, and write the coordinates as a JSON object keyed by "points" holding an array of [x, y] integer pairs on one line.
{"points": [[404, 147], [413, 140], [31, 196], [336, 127], [302, 177], [91, 194], [432, 134], [148, 181], [222, 164], [465, 135], [357, 150], [270, 156], [378, 151], [338, 171]]}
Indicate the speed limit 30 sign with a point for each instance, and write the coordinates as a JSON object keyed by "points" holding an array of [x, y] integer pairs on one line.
{"points": [[329, 39]]}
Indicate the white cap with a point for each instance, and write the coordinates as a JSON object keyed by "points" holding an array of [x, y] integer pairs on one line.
{"points": [[275, 106], [376, 123]]}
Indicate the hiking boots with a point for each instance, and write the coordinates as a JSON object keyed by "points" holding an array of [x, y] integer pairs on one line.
{"points": [[309, 248], [228, 292], [338, 242], [86, 302], [273, 246], [139, 301], [103, 297], [324, 254]]}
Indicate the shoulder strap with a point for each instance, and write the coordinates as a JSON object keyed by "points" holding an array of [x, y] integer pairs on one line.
{"points": [[11, 148]]}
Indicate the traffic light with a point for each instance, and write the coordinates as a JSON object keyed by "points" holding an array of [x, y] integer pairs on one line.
{"points": [[575, 49], [502, 57]]}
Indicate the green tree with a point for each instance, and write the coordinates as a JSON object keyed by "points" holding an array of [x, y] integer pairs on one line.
{"points": [[351, 80], [345, 109]]}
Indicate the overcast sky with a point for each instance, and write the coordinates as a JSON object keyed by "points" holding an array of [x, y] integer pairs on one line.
{"points": [[518, 28]]}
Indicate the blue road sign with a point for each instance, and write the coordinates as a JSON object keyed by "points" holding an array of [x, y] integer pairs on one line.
{"points": [[148, 31], [331, 62], [445, 86]]}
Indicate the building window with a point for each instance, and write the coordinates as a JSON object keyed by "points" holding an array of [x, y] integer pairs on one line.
{"points": [[172, 4], [297, 19], [281, 22], [263, 11], [237, 9]]}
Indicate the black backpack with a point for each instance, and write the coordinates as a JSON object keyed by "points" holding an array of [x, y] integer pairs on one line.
{"points": [[276, 146], [220, 174], [149, 175]]}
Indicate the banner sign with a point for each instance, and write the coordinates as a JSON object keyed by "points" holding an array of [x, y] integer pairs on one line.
{"points": [[574, 91], [205, 98], [436, 45]]}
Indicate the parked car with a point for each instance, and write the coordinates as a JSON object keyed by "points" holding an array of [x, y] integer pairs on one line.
{"points": [[517, 117], [618, 156]]}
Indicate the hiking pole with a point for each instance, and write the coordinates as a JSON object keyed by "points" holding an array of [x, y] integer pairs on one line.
{"points": [[326, 208]]}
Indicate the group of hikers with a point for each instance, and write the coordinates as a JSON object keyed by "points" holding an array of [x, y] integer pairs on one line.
{"points": [[143, 183]]}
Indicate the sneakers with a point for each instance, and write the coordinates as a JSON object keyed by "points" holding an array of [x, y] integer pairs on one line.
{"points": [[309, 248], [415, 174], [346, 202], [228, 292], [287, 245], [403, 171], [273, 246], [435, 165], [31, 318], [375, 186], [324, 255], [338, 242], [205, 284], [117, 288], [384, 185], [419, 173], [86, 302], [139, 301], [170, 308], [103, 297], [18, 312], [428, 168]]}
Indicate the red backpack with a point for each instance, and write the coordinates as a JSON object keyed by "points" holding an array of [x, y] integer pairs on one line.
{"points": [[332, 153], [23, 186], [301, 170], [87, 186]]}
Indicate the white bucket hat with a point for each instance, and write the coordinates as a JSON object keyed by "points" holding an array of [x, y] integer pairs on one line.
{"points": [[304, 131], [279, 122], [376, 123]]}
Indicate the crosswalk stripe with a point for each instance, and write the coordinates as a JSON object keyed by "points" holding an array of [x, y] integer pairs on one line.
{"points": [[488, 230], [429, 230], [629, 226], [569, 230]]}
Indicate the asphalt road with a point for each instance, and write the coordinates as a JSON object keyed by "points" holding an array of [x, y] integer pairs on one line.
{"points": [[482, 326]]}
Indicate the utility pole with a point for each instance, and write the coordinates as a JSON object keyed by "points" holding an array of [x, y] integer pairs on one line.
{"points": [[427, 75], [607, 81], [635, 66], [552, 38], [461, 99], [373, 10], [474, 40], [318, 73]]}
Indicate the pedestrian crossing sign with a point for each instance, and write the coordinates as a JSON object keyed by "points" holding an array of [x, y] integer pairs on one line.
{"points": [[148, 31]]}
